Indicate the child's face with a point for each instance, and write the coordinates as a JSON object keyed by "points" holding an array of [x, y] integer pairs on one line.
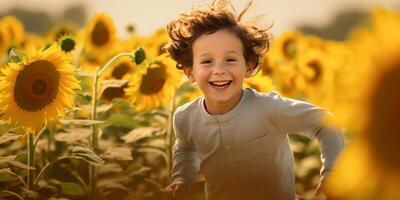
{"points": [[219, 67]]}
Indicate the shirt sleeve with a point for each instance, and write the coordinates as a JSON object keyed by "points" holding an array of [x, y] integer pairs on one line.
{"points": [[185, 159], [331, 144], [296, 116]]}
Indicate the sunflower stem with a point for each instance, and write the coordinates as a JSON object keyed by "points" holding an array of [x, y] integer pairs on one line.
{"points": [[103, 69], [99, 73], [92, 169], [170, 134], [31, 159], [38, 136]]}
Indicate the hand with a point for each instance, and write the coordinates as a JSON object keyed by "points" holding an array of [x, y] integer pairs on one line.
{"points": [[176, 190]]}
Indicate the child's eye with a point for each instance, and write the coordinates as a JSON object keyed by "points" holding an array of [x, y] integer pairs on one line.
{"points": [[231, 60], [205, 62]]}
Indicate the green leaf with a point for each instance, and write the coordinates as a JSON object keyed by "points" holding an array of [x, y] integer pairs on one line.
{"points": [[104, 107], [72, 189], [4, 177], [82, 152], [6, 137], [6, 173], [83, 122], [114, 83], [110, 168], [12, 161], [75, 135], [6, 193], [16, 56], [118, 153], [140, 133], [121, 120]]}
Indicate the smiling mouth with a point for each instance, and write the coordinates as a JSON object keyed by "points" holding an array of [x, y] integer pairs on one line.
{"points": [[220, 84]]}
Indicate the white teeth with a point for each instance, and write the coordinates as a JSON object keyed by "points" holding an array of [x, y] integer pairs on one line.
{"points": [[220, 83]]}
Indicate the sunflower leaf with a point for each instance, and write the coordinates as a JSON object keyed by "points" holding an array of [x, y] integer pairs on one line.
{"points": [[82, 152], [114, 83], [118, 153], [140, 133], [6, 172], [16, 56], [74, 135], [6, 137], [72, 189], [6, 193], [12, 161], [83, 122]]}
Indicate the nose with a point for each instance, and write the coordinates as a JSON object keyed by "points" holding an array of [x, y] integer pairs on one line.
{"points": [[219, 69]]}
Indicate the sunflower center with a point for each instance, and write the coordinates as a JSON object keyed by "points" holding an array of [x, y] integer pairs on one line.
{"points": [[36, 85], [154, 80], [266, 69], [67, 45], [316, 68], [100, 35], [383, 129], [120, 70], [289, 49], [39, 87]]}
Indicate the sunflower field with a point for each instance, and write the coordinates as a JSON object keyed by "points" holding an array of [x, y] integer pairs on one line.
{"points": [[85, 114]]}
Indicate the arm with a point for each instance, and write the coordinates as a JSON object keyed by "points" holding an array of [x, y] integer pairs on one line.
{"points": [[185, 160], [331, 144], [185, 165], [296, 116]]}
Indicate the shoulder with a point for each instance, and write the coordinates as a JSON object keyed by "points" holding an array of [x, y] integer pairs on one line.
{"points": [[263, 98], [187, 110]]}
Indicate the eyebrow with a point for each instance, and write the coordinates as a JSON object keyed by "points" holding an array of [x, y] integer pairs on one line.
{"points": [[230, 51]]}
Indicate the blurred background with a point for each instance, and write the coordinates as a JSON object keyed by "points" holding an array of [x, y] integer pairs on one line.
{"points": [[96, 129], [327, 17]]}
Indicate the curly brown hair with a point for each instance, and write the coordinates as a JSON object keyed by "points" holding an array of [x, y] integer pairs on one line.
{"points": [[184, 30]]}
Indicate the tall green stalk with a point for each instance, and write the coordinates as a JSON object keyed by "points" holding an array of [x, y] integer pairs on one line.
{"points": [[94, 139], [31, 160]]}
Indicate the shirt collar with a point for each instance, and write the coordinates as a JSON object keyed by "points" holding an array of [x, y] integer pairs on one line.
{"points": [[224, 117]]}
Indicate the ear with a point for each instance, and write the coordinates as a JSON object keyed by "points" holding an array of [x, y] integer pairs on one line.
{"points": [[250, 66], [189, 73]]}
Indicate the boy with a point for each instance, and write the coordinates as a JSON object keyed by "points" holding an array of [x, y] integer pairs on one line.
{"points": [[237, 137]]}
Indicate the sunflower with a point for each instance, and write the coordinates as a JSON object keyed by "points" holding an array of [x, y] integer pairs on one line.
{"points": [[120, 70], [60, 30], [31, 43], [67, 43], [289, 81], [35, 91], [15, 29], [100, 35], [259, 82], [318, 74], [375, 151], [153, 83], [4, 39], [289, 45], [155, 43]]}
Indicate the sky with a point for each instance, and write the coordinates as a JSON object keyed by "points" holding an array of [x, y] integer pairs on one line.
{"points": [[149, 15]]}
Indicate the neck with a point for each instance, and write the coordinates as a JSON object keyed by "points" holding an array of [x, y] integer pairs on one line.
{"points": [[220, 108]]}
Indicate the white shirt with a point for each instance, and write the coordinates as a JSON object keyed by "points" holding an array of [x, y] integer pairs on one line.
{"points": [[245, 153]]}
